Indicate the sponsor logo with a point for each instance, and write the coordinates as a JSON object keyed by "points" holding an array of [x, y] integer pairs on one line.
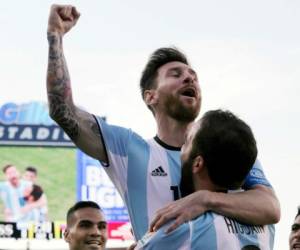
{"points": [[159, 172], [255, 172]]}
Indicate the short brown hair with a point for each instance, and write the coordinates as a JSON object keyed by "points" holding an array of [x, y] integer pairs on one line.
{"points": [[7, 167]]}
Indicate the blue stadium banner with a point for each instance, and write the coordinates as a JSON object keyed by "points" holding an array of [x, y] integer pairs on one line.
{"points": [[94, 184], [25, 113], [29, 124], [33, 135]]}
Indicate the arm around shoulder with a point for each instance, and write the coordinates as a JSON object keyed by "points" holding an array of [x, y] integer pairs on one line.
{"points": [[257, 206]]}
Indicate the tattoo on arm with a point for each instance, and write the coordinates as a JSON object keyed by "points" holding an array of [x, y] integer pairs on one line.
{"points": [[61, 106], [63, 115]]}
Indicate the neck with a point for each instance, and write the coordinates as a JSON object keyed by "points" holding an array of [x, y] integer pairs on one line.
{"points": [[202, 182], [170, 131]]}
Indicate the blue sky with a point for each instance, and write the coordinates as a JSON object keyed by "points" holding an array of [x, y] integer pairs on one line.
{"points": [[246, 53]]}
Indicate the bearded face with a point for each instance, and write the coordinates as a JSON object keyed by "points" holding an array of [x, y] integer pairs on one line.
{"points": [[186, 183], [177, 93], [176, 109]]}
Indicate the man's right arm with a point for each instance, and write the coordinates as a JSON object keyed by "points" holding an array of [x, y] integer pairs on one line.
{"points": [[80, 125]]}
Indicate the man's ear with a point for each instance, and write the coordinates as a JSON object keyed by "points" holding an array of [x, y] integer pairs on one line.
{"points": [[150, 97], [67, 235], [198, 164]]}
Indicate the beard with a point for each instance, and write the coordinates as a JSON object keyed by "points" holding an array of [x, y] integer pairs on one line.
{"points": [[179, 112], [186, 182]]}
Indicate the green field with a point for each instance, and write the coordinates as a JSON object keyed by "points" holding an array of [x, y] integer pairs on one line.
{"points": [[56, 174]]}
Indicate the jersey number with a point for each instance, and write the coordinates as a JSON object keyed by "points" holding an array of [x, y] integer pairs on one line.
{"points": [[175, 190]]}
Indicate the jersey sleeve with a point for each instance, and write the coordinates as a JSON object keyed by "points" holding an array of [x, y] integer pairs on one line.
{"points": [[115, 140], [256, 176], [2, 193], [1, 186]]}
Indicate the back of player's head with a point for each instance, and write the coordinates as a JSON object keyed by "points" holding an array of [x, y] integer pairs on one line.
{"points": [[80, 205], [36, 192], [227, 146], [31, 169], [159, 58]]}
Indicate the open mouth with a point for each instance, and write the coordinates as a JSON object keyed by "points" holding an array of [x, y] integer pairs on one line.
{"points": [[189, 92], [296, 245], [94, 242]]}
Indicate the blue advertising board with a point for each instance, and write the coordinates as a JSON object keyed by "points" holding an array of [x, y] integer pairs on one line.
{"points": [[25, 113], [94, 184], [29, 124]]}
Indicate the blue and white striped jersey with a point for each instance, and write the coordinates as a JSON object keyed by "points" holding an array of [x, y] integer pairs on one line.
{"points": [[13, 198], [211, 231], [147, 173]]}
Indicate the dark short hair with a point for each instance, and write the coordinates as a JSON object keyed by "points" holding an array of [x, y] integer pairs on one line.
{"points": [[31, 169], [36, 192], [79, 205], [157, 59], [7, 167], [298, 212], [227, 146]]}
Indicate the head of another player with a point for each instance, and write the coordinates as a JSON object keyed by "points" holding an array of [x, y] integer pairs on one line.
{"points": [[219, 151], [30, 174], [86, 227], [294, 239], [12, 174]]}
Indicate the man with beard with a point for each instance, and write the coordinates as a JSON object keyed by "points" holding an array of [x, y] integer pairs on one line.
{"points": [[86, 227], [12, 191], [217, 155], [294, 239], [147, 172]]}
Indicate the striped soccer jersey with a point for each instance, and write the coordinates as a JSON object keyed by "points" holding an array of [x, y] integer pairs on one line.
{"points": [[147, 173], [211, 231], [13, 198]]}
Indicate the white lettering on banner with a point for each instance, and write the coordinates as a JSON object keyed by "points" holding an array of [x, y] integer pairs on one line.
{"points": [[6, 230], [84, 193], [12, 132], [26, 134], [31, 133], [11, 112], [96, 176], [93, 194], [99, 188], [93, 176], [42, 133], [55, 134], [1, 131], [108, 197]]}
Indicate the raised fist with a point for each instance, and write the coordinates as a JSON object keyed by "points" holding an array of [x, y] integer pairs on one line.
{"points": [[62, 18]]}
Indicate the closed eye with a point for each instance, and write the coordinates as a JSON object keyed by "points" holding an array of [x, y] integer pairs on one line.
{"points": [[175, 72]]}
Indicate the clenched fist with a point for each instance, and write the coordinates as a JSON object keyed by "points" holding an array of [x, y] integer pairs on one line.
{"points": [[62, 18]]}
